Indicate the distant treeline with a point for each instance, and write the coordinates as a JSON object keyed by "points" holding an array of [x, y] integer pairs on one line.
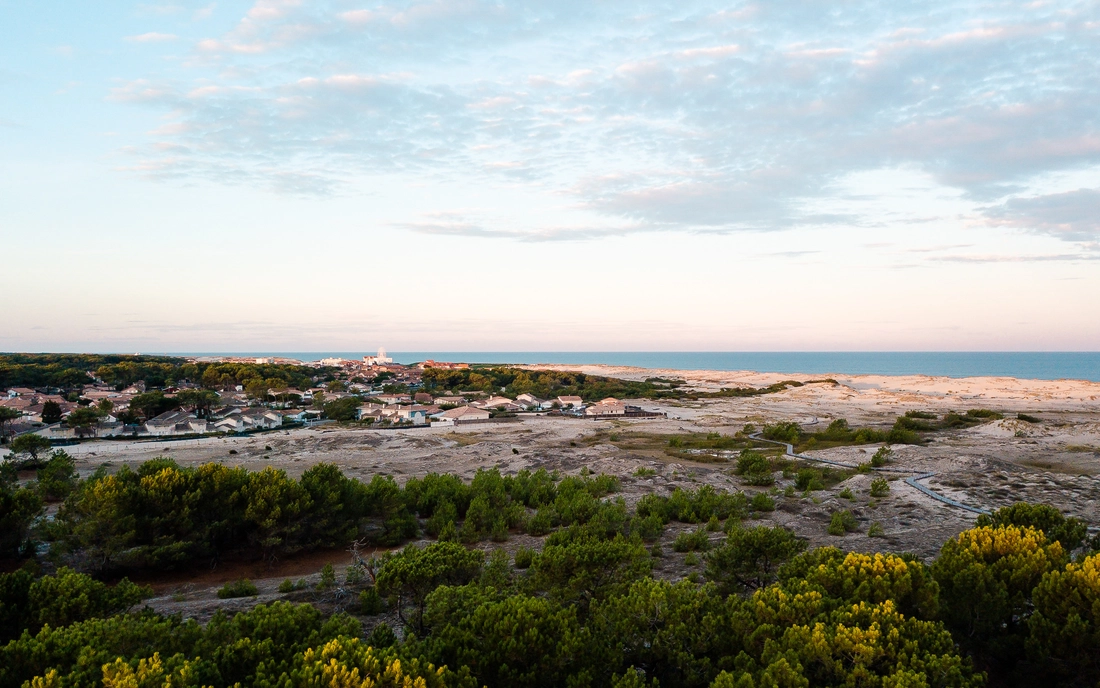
{"points": [[71, 371], [548, 384], [67, 371]]}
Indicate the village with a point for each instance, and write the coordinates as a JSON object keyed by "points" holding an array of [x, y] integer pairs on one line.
{"points": [[373, 391]]}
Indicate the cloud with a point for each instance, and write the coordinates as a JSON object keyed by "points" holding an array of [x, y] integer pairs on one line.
{"points": [[461, 224], [152, 37], [691, 117], [1072, 215]]}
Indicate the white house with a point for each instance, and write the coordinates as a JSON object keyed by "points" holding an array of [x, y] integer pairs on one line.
{"points": [[571, 402]]}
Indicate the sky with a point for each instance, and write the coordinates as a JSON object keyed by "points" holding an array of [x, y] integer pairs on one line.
{"points": [[461, 175]]}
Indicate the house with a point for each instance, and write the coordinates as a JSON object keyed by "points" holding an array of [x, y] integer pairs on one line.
{"points": [[300, 415], [110, 428], [95, 394], [417, 415], [464, 414], [261, 419], [57, 431], [422, 398], [530, 401], [497, 403], [232, 423], [606, 407], [393, 398], [455, 401], [136, 388], [571, 402], [176, 423], [20, 392], [369, 411]]}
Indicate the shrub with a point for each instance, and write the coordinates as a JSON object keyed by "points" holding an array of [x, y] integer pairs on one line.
{"points": [[882, 456], [762, 502], [238, 588], [1065, 628], [691, 559], [750, 461], [876, 530], [286, 586], [644, 472], [691, 541], [926, 415], [57, 477], [328, 578], [383, 636], [370, 602], [985, 414], [1028, 419], [783, 432], [809, 479], [749, 557], [880, 487], [755, 468], [1069, 532], [524, 557], [842, 522], [846, 493]]}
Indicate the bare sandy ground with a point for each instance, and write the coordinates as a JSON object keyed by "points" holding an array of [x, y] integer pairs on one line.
{"points": [[1056, 461]]}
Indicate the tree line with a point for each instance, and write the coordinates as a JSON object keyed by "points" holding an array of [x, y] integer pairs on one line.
{"points": [[72, 371], [549, 384]]}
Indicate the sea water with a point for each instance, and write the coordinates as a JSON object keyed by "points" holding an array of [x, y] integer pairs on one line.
{"points": [[1025, 365]]}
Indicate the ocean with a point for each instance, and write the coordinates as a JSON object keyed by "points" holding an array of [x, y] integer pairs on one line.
{"points": [[1030, 365]]}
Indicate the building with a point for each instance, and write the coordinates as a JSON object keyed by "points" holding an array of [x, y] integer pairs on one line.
{"points": [[393, 398], [503, 403], [176, 423], [463, 414], [606, 408], [530, 401], [380, 360], [456, 401], [571, 402]]}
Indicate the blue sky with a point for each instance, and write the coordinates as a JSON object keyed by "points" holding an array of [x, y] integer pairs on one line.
{"points": [[457, 174]]}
